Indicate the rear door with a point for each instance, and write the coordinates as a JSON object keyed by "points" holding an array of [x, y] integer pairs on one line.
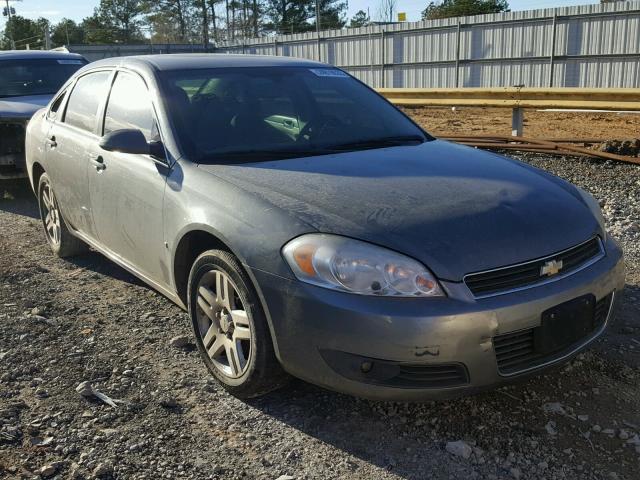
{"points": [[71, 139], [127, 190]]}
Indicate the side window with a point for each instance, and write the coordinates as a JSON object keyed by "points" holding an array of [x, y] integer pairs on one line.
{"points": [[55, 106], [129, 106], [85, 98]]}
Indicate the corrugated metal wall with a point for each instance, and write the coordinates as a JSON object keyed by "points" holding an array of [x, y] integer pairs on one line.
{"points": [[583, 46]]}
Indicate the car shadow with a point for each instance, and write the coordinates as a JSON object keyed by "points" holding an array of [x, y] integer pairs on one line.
{"points": [[96, 262], [17, 197], [408, 439], [398, 437]]}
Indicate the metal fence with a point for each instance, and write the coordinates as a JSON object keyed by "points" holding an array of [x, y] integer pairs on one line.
{"points": [[98, 52], [596, 46]]}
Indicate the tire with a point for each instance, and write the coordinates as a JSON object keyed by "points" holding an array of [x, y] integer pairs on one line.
{"points": [[231, 329], [59, 238]]}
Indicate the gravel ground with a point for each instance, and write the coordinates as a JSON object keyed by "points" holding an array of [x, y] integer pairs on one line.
{"points": [[63, 322]]}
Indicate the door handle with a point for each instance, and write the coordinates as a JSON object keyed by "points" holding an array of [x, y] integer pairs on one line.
{"points": [[51, 141], [98, 162]]}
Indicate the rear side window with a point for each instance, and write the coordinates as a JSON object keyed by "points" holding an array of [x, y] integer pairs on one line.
{"points": [[129, 106], [82, 108], [55, 106]]}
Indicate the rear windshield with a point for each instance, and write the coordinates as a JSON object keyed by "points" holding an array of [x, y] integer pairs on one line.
{"points": [[35, 76], [228, 114]]}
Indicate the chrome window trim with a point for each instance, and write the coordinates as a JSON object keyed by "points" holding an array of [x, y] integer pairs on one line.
{"points": [[568, 354], [546, 281]]}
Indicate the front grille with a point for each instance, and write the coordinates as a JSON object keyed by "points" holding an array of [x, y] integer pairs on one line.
{"points": [[11, 138], [517, 351], [430, 376], [495, 282], [11, 144]]}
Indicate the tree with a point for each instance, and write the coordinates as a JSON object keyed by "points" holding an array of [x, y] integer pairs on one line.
{"points": [[176, 14], [360, 19], [67, 32], [332, 14], [386, 10], [203, 9], [289, 16], [115, 21], [460, 8], [24, 32], [295, 16]]}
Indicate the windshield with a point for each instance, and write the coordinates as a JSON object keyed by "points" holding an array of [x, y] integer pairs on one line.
{"points": [[43, 76], [234, 114]]}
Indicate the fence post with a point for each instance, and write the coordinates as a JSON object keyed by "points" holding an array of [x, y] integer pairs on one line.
{"points": [[517, 120], [371, 59], [382, 60], [553, 49], [457, 80], [318, 46], [275, 46]]}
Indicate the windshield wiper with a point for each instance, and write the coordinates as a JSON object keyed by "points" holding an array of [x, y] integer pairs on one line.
{"points": [[381, 142]]}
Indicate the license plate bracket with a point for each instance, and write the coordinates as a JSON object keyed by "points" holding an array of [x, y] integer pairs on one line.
{"points": [[565, 324]]}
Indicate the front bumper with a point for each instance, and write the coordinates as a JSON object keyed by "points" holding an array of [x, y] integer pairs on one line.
{"points": [[321, 335]]}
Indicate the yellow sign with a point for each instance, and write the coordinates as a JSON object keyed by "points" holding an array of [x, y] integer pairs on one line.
{"points": [[402, 16]]}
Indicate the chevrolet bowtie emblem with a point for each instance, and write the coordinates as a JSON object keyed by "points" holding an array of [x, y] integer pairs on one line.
{"points": [[550, 268]]}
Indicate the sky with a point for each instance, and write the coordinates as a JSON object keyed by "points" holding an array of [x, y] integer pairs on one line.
{"points": [[54, 10]]}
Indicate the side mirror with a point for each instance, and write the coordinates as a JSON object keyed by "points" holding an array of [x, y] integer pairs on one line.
{"points": [[126, 141]]}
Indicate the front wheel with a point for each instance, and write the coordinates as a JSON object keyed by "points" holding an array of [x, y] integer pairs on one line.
{"points": [[60, 240], [230, 326]]}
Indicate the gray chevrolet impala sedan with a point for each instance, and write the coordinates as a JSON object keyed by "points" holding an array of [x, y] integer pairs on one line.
{"points": [[311, 228]]}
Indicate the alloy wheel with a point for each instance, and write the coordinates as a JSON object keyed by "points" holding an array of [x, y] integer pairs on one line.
{"points": [[51, 214], [223, 325]]}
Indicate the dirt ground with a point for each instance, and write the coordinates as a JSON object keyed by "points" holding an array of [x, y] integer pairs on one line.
{"points": [[63, 322], [537, 124]]}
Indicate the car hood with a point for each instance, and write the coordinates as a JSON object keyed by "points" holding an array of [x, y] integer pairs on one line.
{"points": [[22, 107], [456, 209]]}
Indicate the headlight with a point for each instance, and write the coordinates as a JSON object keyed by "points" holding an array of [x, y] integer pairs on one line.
{"points": [[353, 266], [594, 206]]}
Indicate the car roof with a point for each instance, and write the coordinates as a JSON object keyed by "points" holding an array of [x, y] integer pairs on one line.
{"points": [[37, 54], [189, 61]]}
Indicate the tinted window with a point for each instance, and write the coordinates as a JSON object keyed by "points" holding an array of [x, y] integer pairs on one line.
{"points": [[85, 98], [222, 114], [129, 106], [55, 106], [35, 76]]}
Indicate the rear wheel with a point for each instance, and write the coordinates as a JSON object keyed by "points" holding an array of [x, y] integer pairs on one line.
{"points": [[61, 241], [230, 326]]}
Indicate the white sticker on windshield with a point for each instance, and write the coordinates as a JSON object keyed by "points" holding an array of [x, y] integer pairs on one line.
{"points": [[328, 72], [70, 62]]}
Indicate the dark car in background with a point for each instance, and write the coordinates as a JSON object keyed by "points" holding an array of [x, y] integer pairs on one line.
{"points": [[28, 81]]}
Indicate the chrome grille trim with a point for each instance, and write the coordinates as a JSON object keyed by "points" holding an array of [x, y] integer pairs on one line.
{"points": [[543, 281]]}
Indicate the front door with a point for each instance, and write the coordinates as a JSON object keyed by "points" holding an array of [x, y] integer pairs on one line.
{"points": [[70, 140], [127, 190]]}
